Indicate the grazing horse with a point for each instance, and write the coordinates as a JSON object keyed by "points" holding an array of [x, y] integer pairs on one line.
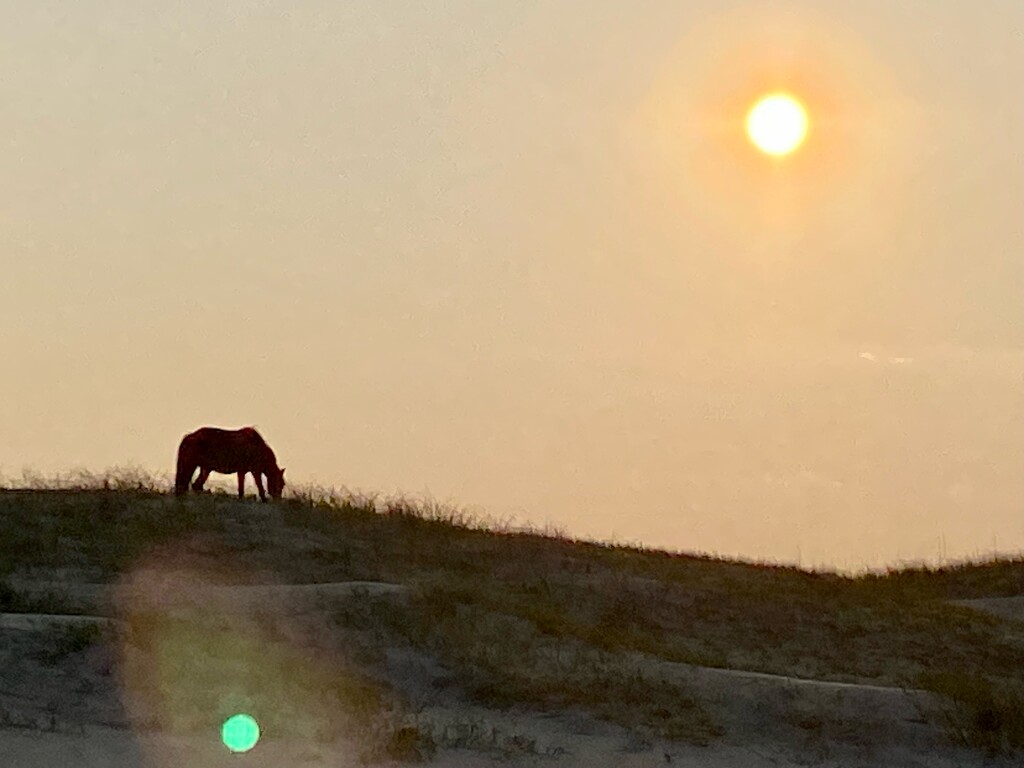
{"points": [[227, 451]]}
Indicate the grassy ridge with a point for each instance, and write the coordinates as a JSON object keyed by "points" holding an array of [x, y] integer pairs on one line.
{"points": [[569, 613]]}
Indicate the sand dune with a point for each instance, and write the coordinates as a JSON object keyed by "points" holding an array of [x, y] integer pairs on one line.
{"points": [[769, 720]]}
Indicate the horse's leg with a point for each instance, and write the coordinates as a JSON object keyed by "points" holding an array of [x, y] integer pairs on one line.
{"points": [[204, 475], [183, 480], [241, 484], [259, 485]]}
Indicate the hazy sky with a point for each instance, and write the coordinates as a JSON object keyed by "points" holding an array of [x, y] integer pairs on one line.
{"points": [[520, 256]]}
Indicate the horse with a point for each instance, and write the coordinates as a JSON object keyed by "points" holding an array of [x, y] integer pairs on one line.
{"points": [[227, 451]]}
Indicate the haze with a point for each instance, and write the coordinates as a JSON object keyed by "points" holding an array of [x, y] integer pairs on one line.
{"points": [[517, 256]]}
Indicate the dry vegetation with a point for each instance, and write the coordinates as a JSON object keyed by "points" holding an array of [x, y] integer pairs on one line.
{"points": [[517, 619]]}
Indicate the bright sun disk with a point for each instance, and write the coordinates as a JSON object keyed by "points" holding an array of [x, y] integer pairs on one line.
{"points": [[777, 124]]}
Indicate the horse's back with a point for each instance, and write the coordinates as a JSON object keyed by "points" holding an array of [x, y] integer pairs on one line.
{"points": [[218, 433], [227, 450], [219, 436]]}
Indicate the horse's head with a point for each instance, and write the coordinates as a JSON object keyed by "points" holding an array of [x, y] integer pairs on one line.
{"points": [[275, 483]]}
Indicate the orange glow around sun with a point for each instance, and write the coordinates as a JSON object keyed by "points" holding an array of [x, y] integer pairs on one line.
{"points": [[756, 123]]}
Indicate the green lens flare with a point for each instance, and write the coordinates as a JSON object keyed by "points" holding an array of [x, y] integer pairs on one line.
{"points": [[240, 733]]}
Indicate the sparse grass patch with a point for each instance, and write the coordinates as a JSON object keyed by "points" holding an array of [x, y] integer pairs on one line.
{"points": [[11, 719], [409, 744], [70, 639], [978, 712], [480, 735], [996, 577], [125, 478], [504, 659], [95, 530], [15, 600]]}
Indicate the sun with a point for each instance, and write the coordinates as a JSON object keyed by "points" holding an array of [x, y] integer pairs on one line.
{"points": [[777, 124]]}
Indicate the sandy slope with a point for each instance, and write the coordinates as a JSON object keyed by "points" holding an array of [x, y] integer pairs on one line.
{"points": [[1003, 607], [769, 720], [105, 748], [41, 622]]}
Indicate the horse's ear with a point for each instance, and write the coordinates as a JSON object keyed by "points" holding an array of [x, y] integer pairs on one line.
{"points": [[282, 471]]}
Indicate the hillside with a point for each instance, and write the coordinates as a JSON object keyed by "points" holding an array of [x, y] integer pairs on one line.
{"points": [[136, 623]]}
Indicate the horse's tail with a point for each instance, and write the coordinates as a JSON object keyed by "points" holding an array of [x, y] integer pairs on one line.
{"points": [[185, 467]]}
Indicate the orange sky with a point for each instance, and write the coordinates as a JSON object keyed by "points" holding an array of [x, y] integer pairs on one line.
{"points": [[522, 257]]}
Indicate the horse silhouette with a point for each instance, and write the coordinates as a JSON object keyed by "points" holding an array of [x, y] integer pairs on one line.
{"points": [[227, 451]]}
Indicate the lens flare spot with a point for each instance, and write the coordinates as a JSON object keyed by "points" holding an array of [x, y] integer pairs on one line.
{"points": [[240, 733]]}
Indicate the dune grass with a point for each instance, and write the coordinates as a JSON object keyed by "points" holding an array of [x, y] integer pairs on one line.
{"points": [[535, 618]]}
